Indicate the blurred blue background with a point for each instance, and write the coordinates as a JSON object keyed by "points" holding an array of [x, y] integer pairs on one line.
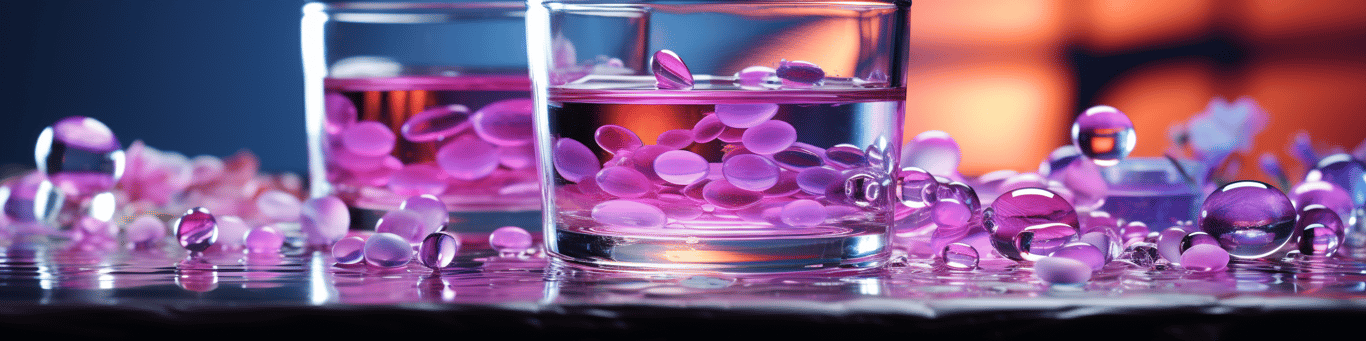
{"points": [[198, 77]]}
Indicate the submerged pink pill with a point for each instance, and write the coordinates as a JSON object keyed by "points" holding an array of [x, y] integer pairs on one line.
{"points": [[628, 214], [769, 137], [468, 158], [681, 167], [751, 172], [745, 115], [614, 138], [574, 161], [623, 182]]}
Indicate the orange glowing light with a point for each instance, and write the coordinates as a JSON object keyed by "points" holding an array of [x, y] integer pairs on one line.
{"points": [[830, 43], [1102, 144], [1112, 25]]}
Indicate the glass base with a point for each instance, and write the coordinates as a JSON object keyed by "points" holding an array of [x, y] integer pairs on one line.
{"points": [[645, 253]]}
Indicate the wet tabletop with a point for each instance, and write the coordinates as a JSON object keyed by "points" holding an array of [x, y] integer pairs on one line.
{"points": [[164, 285]]}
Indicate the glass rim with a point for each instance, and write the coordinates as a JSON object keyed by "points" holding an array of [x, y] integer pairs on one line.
{"points": [[394, 6]]}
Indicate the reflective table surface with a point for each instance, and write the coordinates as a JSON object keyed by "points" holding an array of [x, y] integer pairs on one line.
{"points": [[61, 288]]}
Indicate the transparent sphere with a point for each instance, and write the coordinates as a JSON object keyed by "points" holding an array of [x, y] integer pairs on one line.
{"points": [[1250, 219], [197, 230], [1104, 134], [264, 239], [80, 155], [1321, 231], [438, 250], [1022, 208], [1344, 171]]}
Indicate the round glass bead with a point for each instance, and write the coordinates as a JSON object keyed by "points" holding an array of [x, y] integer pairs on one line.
{"points": [[1038, 241], [232, 231], [1321, 231], [197, 230], [80, 155], [1324, 193], [959, 256], [432, 210], [1250, 219], [1343, 170], [438, 250], [1104, 134], [403, 223], [1019, 209]]}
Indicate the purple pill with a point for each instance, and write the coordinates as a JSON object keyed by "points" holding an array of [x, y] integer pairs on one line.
{"points": [[959, 256], [510, 240], [799, 156], [755, 75], [643, 160], [263, 239], [574, 161], [1250, 219], [681, 167], [817, 181], [418, 179], [731, 135], [437, 123], [786, 186], [403, 223], [725, 195], [615, 138], [197, 230], [348, 160], [349, 250], [707, 129], [1321, 231], [799, 74], [769, 137], [803, 213], [1083, 252], [628, 213], [1196, 238], [517, 157], [368, 138], [676, 139], [695, 190], [341, 113], [623, 182], [432, 209], [505, 123], [1103, 241], [1104, 134], [438, 250], [324, 220], [387, 250], [670, 71], [1019, 209], [1038, 241], [1205, 257], [1062, 270], [845, 156], [750, 172], [468, 158], [745, 115]]}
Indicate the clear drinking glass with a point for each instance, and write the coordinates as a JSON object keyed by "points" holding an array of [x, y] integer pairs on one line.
{"points": [[407, 99], [735, 136]]}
